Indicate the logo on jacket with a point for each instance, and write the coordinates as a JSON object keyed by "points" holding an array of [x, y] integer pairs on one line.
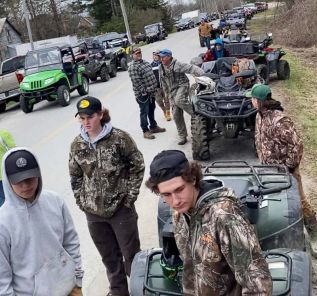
{"points": [[21, 162]]}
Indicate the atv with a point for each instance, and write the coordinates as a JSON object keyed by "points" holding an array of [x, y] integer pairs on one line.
{"points": [[270, 199], [220, 104], [96, 65], [154, 32], [51, 74], [268, 60]]}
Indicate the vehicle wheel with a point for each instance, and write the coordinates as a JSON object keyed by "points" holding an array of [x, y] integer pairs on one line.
{"points": [[283, 70], [124, 64], [63, 95], [113, 73], [93, 78], [25, 105], [263, 72], [3, 106], [200, 143], [104, 74], [83, 89]]}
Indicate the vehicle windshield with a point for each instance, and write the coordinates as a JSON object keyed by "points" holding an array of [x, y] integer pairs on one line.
{"points": [[151, 29], [42, 58], [185, 20]]}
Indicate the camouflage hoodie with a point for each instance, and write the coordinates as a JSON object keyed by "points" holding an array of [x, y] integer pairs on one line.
{"points": [[276, 139], [219, 248], [107, 174]]}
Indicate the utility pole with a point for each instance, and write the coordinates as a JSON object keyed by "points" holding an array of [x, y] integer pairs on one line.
{"points": [[125, 18], [27, 20]]}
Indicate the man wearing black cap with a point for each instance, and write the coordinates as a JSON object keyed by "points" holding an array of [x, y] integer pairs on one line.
{"points": [[144, 86], [220, 251], [39, 246], [106, 170]]}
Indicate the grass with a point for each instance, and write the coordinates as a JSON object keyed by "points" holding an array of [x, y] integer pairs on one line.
{"points": [[302, 106]]}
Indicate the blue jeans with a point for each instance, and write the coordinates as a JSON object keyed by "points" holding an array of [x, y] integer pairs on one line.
{"points": [[147, 108], [1, 194], [207, 41]]}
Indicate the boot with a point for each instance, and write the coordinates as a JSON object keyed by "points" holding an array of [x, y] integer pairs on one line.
{"points": [[182, 141], [168, 115], [148, 135], [157, 129]]}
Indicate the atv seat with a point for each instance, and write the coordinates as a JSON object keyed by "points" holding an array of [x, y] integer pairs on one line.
{"points": [[223, 66], [242, 49]]}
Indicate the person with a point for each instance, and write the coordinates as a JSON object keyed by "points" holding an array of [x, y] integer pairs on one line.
{"points": [[6, 142], [144, 87], [278, 142], [175, 85], [217, 52], [106, 171], [219, 248], [39, 246], [160, 97], [204, 31]]}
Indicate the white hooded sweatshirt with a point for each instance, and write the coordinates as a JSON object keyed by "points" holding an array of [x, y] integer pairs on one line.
{"points": [[39, 246]]}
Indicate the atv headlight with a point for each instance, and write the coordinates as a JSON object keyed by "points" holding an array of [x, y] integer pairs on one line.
{"points": [[26, 84], [48, 81]]}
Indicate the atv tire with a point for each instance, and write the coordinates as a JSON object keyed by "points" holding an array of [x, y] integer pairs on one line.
{"points": [[200, 143], [283, 70], [104, 74], [63, 95], [83, 89], [3, 106], [124, 64], [263, 72], [113, 73], [25, 105]]}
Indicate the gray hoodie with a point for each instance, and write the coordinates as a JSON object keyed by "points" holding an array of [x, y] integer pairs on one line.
{"points": [[39, 246]]}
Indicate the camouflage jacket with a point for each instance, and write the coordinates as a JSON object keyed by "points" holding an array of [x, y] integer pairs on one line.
{"points": [[105, 178], [219, 248], [174, 77], [276, 139]]}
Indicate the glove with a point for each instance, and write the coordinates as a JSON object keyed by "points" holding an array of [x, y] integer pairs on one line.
{"points": [[76, 292]]}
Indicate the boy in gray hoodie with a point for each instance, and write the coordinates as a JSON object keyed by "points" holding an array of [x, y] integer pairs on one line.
{"points": [[39, 246]]}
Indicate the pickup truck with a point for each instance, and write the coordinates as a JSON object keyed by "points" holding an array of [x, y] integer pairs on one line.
{"points": [[11, 74]]}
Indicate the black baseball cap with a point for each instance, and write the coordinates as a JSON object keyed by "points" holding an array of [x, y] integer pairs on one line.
{"points": [[21, 165], [89, 106], [167, 165]]}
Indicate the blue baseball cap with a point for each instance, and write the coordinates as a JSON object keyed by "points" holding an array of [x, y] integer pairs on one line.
{"points": [[165, 53]]}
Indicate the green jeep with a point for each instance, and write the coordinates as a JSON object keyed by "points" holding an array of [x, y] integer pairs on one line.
{"points": [[51, 74]]}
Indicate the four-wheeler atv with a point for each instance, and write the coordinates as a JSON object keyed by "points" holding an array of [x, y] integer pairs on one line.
{"points": [[116, 46], [270, 199], [185, 24], [51, 74], [154, 32], [96, 64], [220, 104], [268, 60]]}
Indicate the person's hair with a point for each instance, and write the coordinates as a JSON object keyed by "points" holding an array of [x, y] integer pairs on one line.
{"points": [[192, 172], [105, 116], [262, 105]]}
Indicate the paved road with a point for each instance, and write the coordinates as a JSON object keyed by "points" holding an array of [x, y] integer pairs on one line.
{"points": [[49, 130]]}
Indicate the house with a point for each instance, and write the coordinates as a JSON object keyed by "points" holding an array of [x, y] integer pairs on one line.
{"points": [[8, 37]]}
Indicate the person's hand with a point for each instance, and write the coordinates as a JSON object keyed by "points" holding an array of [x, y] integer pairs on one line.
{"points": [[76, 292]]}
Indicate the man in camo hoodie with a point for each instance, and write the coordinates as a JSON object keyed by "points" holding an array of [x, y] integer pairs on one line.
{"points": [[175, 85], [277, 142], [219, 248]]}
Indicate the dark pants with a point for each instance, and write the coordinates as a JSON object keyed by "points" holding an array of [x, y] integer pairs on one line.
{"points": [[207, 41], [1, 194], [147, 108], [116, 238]]}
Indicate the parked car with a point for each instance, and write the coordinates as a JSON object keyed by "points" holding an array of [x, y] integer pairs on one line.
{"points": [[51, 74], [185, 24], [11, 74]]}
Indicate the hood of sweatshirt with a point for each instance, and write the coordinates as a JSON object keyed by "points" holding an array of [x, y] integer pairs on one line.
{"points": [[107, 128]]}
